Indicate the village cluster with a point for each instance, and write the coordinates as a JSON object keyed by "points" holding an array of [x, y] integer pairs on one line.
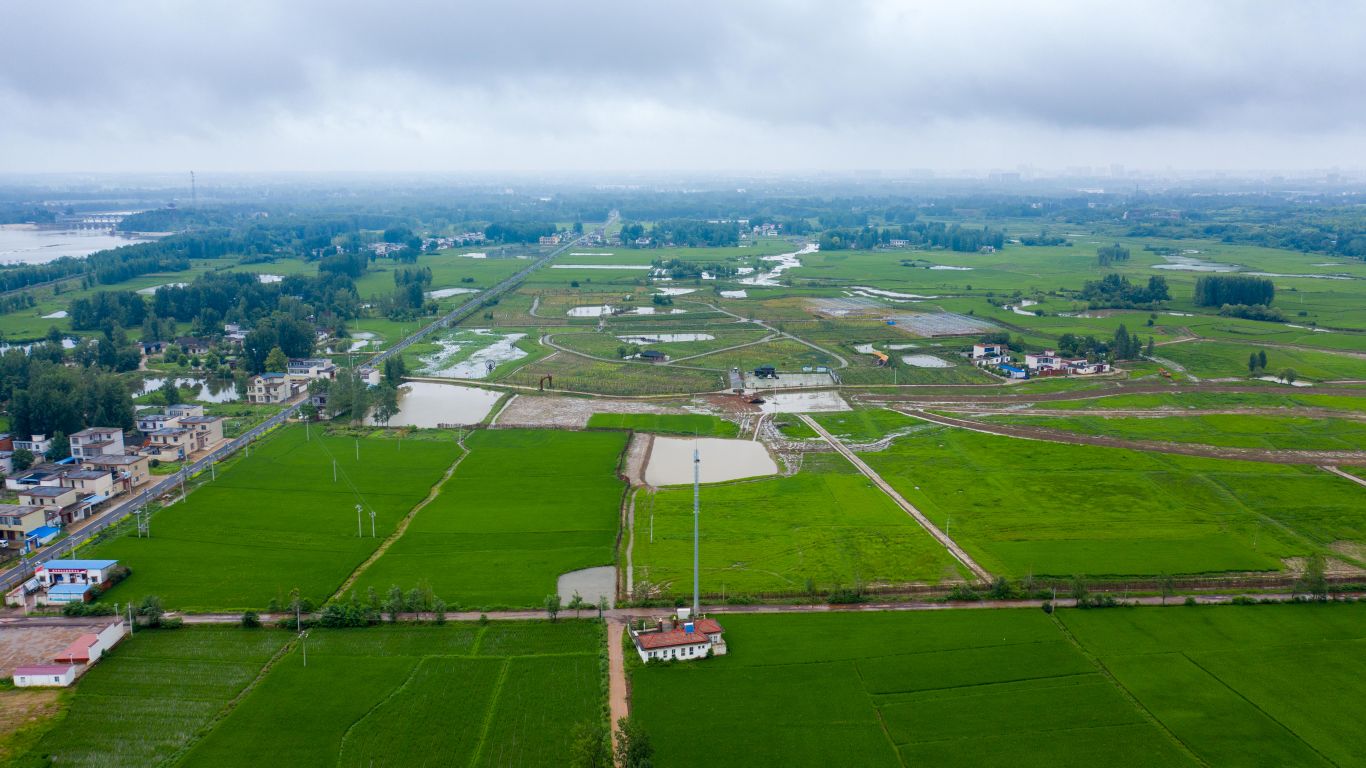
{"points": [[1046, 363]]}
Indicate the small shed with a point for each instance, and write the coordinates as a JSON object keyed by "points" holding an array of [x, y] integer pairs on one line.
{"points": [[61, 594], [49, 675]]}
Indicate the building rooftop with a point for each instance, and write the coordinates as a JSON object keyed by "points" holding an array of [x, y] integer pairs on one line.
{"points": [[114, 459], [46, 491], [72, 565], [43, 669], [69, 589], [78, 651], [200, 419], [675, 637], [87, 474], [91, 432]]}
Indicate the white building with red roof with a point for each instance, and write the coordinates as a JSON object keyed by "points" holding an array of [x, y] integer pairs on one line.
{"points": [[679, 640]]}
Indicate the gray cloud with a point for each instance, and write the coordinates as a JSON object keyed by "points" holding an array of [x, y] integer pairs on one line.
{"points": [[707, 84]]}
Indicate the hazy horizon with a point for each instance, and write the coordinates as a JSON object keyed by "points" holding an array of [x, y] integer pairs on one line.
{"points": [[762, 87]]}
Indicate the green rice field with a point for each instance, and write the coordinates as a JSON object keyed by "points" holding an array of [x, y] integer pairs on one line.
{"points": [[824, 528], [171, 697], [1177, 686], [145, 701], [697, 424], [276, 520], [522, 508], [1289, 433], [1024, 507]]}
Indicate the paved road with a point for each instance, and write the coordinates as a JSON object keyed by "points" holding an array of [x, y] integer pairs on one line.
{"points": [[943, 538], [117, 513], [621, 615]]}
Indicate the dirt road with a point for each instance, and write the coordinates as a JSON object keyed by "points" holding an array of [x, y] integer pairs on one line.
{"points": [[1319, 458]]}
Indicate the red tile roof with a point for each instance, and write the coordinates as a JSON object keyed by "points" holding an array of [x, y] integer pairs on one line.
{"points": [[677, 637], [43, 669], [78, 651]]}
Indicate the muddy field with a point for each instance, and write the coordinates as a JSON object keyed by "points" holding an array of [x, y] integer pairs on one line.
{"points": [[37, 642], [570, 412]]}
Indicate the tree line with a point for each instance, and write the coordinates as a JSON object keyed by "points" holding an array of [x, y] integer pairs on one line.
{"points": [[1218, 290]]}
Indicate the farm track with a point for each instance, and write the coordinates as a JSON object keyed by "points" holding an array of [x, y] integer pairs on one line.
{"points": [[1095, 394], [401, 527], [1160, 413], [1044, 434], [961, 556], [618, 689], [843, 363], [720, 610], [1347, 475]]}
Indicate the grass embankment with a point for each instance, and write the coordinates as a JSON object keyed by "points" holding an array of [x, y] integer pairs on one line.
{"points": [[524, 507], [1239, 685], [276, 520]]}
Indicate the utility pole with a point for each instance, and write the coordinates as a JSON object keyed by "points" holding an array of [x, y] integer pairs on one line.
{"points": [[358, 533], [696, 516], [372, 524], [334, 470], [194, 192], [358, 449]]}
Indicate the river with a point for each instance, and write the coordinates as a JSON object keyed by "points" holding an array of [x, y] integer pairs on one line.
{"points": [[29, 244]]}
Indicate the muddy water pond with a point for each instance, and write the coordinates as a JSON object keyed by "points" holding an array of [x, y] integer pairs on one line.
{"points": [[671, 460], [426, 404], [804, 402], [591, 584]]}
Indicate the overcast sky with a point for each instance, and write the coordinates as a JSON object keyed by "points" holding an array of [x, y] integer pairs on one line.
{"points": [[701, 85]]}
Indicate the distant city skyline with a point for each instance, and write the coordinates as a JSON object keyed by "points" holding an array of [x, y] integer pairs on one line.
{"points": [[764, 86]]}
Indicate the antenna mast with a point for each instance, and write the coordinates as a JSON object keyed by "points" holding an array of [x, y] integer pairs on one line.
{"points": [[696, 480], [194, 193]]}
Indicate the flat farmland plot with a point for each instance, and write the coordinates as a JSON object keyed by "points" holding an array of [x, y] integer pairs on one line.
{"points": [[524, 507], [1024, 506], [831, 528], [970, 688], [412, 695], [1209, 359], [1243, 685], [147, 699], [276, 520], [666, 423], [1239, 431]]}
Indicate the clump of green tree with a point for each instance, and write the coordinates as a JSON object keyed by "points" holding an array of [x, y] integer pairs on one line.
{"points": [[1256, 362], [1115, 290], [47, 397], [1253, 312], [1218, 290], [1111, 254], [1044, 239], [928, 235]]}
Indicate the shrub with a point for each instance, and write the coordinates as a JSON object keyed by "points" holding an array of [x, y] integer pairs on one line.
{"points": [[964, 592], [251, 620]]}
